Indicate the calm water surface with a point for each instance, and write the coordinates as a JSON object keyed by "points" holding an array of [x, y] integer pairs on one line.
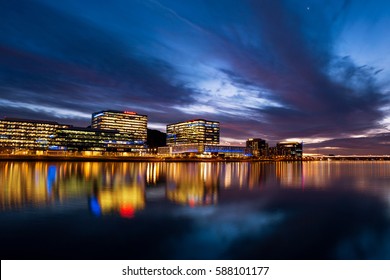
{"points": [[92, 210]]}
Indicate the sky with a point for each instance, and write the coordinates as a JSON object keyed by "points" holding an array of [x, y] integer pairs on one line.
{"points": [[311, 71]]}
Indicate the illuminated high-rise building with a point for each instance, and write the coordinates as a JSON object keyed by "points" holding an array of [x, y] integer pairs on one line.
{"points": [[27, 134], [257, 146], [130, 124], [197, 131], [289, 149]]}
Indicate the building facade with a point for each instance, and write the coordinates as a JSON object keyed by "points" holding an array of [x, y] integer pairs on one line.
{"points": [[289, 149], [205, 150], [130, 124], [20, 134], [197, 131], [257, 146], [89, 139]]}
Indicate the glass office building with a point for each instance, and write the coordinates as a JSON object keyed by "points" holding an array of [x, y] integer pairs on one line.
{"points": [[205, 149], [289, 149], [20, 134], [197, 131], [89, 139], [130, 124], [257, 146]]}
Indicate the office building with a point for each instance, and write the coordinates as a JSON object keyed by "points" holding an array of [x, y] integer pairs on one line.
{"points": [[89, 139], [289, 149], [257, 146], [197, 131], [205, 150], [130, 124], [20, 134]]}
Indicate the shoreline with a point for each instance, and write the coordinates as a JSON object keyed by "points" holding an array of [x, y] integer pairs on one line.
{"points": [[79, 158], [130, 159]]}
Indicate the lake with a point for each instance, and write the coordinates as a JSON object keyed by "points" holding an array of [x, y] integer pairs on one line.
{"points": [[149, 210]]}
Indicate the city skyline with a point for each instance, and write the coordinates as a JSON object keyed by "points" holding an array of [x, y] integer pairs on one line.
{"points": [[279, 70]]}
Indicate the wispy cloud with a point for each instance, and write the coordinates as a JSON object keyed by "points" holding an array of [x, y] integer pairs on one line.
{"points": [[56, 112]]}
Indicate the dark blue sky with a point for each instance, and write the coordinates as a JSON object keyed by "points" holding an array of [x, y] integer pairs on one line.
{"points": [[314, 71]]}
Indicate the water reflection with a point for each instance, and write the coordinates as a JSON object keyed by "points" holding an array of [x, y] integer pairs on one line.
{"points": [[309, 210], [109, 187], [24, 184], [124, 200], [192, 184], [125, 188]]}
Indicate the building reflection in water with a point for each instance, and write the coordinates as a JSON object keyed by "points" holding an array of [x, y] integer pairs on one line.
{"points": [[120, 187], [115, 188], [155, 173], [192, 184], [125, 188], [125, 200], [290, 175], [110, 187], [25, 184]]}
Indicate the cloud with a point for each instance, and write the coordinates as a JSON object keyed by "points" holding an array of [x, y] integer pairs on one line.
{"points": [[376, 144], [261, 68], [66, 62], [280, 72], [56, 112], [320, 94]]}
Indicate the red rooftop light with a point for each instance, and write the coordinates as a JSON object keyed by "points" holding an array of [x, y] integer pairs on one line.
{"points": [[130, 112]]}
